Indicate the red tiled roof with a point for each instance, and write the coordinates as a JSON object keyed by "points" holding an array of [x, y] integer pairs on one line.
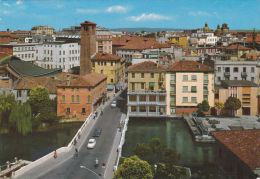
{"points": [[189, 66], [106, 57], [245, 144], [249, 38], [237, 47], [146, 66], [3, 54]]}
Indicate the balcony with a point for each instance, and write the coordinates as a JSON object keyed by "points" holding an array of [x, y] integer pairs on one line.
{"points": [[205, 92], [172, 82], [206, 81], [227, 74], [243, 74], [147, 92], [145, 114], [146, 103]]}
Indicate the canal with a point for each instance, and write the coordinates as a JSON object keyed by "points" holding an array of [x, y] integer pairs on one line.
{"points": [[175, 134], [37, 144]]}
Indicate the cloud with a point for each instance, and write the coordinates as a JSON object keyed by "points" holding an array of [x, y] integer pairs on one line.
{"points": [[87, 11], [6, 12], [6, 4], [116, 9], [199, 13], [19, 2], [149, 17]]}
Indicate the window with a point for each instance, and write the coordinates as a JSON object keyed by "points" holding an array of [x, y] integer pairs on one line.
{"points": [[19, 93], [235, 69], [252, 79], [235, 78], [185, 78], [152, 75], [88, 99], [151, 85], [244, 69], [185, 89], [133, 75], [72, 98], [194, 89], [63, 98], [142, 85], [133, 86], [77, 98], [193, 77], [83, 110], [68, 110], [252, 69], [111, 63], [219, 69], [193, 99], [133, 109], [132, 98], [184, 99], [205, 97], [142, 108], [112, 80], [142, 75]]}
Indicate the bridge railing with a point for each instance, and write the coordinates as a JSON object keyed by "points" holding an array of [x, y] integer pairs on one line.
{"points": [[60, 151]]}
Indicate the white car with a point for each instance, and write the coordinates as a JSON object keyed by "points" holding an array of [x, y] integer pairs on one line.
{"points": [[91, 143], [113, 104]]}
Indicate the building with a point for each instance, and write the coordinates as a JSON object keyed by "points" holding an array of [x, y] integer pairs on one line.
{"points": [[23, 35], [245, 91], [188, 83], [61, 55], [83, 93], [112, 66], [238, 152], [104, 40], [24, 51], [42, 30], [7, 37], [179, 40], [80, 95], [236, 51], [237, 70], [146, 90]]}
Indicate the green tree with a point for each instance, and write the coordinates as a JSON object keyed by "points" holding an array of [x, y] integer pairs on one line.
{"points": [[232, 104], [20, 118], [38, 97], [219, 107], [6, 104], [143, 151], [169, 171], [134, 168], [203, 107]]}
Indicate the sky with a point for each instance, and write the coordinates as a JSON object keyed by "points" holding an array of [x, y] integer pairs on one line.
{"points": [[187, 14]]}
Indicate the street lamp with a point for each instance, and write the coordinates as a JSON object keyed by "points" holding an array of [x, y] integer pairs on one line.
{"points": [[84, 167], [155, 168]]}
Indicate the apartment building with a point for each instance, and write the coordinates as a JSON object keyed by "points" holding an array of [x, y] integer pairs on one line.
{"points": [[111, 66], [42, 30], [104, 40], [188, 83], [146, 90], [237, 70], [24, 51], [58, 54], [245, 91]]}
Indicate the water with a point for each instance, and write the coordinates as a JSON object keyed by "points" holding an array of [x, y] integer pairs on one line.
{"points": [[201, 158], [37, 144]]}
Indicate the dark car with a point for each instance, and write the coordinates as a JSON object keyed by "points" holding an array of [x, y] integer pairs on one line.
{"points": [[97, 132]]}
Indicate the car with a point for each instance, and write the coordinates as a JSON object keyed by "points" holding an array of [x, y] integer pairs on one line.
{"points": [[91, 143], [97, 132], [113, 104]]}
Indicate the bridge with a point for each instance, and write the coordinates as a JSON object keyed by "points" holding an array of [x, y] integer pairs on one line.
{"points": [[113, 122]]}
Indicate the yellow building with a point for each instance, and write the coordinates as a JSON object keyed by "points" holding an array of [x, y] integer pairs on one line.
{"points": [[146, 90], [245, 91], [110, 65], [179, 40], [42, 30], [188, 83]]}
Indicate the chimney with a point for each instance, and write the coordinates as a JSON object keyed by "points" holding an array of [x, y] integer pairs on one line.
{"points": [[87, 46]]}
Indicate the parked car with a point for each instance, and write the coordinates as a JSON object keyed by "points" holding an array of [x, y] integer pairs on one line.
{"points": [[91, 143], [97, 132], [113, 104]]}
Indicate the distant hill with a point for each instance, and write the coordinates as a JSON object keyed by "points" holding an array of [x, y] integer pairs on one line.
{"points": [[139, 29]]}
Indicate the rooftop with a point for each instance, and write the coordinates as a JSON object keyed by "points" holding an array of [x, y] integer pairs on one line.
{"points": [[189, 66], [237, 83], [146, 66], [237, 47], [106, 57], [245, 144]]}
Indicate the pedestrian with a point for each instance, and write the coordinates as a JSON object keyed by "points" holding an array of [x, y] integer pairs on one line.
{"points": [[76, 152], [55, 154], [101, 112], [103, 165]]}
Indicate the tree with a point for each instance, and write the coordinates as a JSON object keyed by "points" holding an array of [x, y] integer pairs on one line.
{"points": [[219, 107], [143, 151], [134, 168], [232, 104], [6, 104], [203, 107], [170, 171], [39, 97], [20, 118]]}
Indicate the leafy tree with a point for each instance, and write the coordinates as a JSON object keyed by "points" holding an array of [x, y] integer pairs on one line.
{"points": [[219, 107], [20, 118], [203, 107], [143, 151], [169, 171], [39, 97], [170, 156], [134, 168], [6, 104], [232, 104]]}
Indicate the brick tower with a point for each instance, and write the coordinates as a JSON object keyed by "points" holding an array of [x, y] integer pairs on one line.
{"points": [[87, 46]]}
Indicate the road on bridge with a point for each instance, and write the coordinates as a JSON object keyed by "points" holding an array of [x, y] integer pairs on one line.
{"points": [[70, 168]]}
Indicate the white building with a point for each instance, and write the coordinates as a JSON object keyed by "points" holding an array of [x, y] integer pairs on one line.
{"points": [[237, 70], [25, 51], [202, 38], [58, 55]]}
